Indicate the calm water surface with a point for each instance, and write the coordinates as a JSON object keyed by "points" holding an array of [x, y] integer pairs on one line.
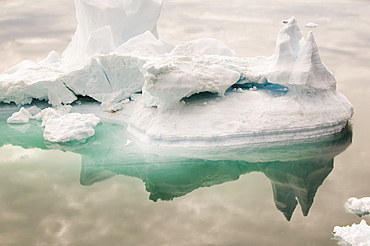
{"points": [[103, 192]]}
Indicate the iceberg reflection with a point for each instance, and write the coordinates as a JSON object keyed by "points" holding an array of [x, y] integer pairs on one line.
{"points": [[296, 169]]}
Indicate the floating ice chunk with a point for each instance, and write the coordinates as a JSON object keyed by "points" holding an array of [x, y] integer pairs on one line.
{"points": [[360, 207], [70, 127], [52, 113], [311, 25], [128, 143], [22, 116], [355, 235]]}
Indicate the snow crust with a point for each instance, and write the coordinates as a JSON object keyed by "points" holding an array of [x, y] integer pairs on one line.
{"points": [[197, 93], [360, 207], [355, 235]]}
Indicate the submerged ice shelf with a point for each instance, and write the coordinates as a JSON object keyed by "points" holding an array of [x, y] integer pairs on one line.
{"points": [[197, 93]]}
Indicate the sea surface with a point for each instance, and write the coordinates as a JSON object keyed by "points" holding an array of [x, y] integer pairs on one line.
{"points": [[107, 191]]}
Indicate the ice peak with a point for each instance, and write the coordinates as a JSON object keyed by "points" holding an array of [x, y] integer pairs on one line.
{"points": [[292, 21], [297, 63], [119, 20]]}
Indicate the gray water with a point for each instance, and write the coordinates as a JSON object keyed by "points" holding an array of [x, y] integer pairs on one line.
{"points": [[102, 192]]}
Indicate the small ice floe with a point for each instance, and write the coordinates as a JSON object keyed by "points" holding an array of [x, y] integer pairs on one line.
{"points": [[239, 90], [359, 207], [128, 143], [285, 21], [355, 235], [70, 127], [20, 117], [311, 25], [23, 115]]}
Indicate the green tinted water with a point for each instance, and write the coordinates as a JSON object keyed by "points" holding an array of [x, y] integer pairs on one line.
{"points": [[102, 192]]}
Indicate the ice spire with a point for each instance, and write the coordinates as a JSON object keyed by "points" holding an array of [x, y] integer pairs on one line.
{"points": [[105, 25], [286, 52], [309, 69], [94, 17], [297, 63]]}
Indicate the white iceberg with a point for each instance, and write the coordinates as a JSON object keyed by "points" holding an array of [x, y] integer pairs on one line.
{"points": [[355, 235], [187, 95], [360, 207], [297, 99]]}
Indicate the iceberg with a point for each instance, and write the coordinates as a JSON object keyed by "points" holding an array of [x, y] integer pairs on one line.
{"points": [[196, 93], [355, 235]]}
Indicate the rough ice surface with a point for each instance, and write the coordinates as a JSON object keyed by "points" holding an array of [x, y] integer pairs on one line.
{"points": [[60, 125], [188, 94], [355, 235], [70, 127], [360, 207], [22, 116]]}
